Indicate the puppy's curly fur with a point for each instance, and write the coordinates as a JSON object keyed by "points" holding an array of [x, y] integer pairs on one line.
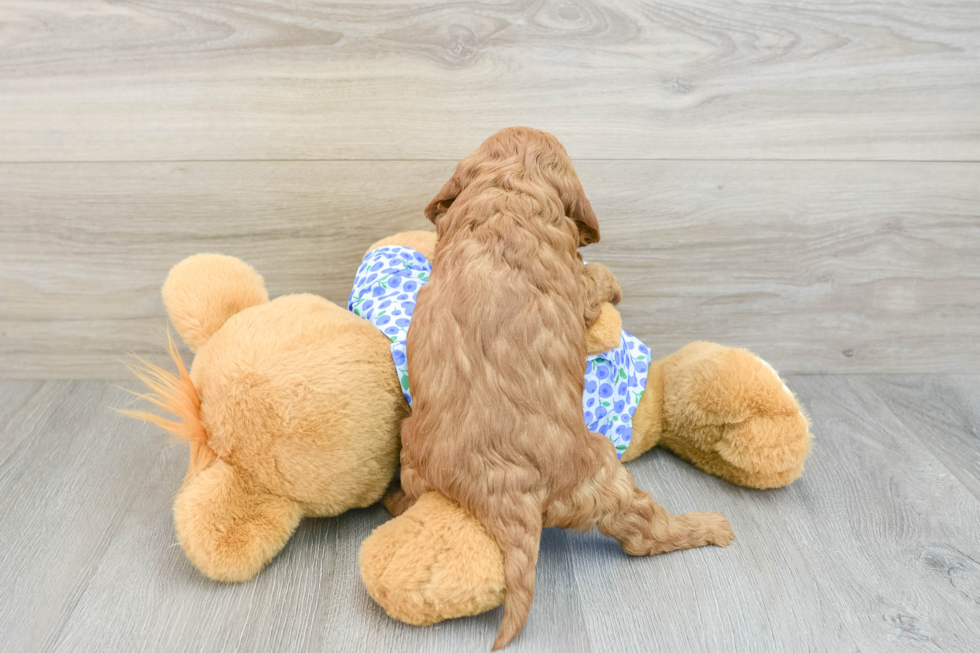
{"points": [[497, 351]]}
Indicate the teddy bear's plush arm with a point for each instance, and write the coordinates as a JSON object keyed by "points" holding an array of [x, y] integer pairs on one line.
{"points": [[723, 409]]}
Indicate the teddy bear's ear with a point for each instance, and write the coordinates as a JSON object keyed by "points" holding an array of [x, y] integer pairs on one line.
{"points": [[203, 291]]}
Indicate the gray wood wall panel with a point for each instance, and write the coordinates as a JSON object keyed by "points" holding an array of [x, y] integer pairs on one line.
{"points": [[874, 548], [816, 266], [261, 79]]}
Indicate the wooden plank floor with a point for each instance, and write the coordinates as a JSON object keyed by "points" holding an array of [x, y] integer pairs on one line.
{"points": [[875, 548]]}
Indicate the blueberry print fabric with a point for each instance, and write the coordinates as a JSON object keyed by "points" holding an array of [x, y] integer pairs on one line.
{"points": [[385, 291], [614, 384]]}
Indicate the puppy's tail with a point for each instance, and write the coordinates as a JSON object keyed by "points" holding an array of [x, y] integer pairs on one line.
{"points": [[515, 523], [179, 397]]}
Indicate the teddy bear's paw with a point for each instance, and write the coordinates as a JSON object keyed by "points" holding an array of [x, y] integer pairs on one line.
{"points": [[768, 450], [434, 562], [707, 384], [731, 415]]}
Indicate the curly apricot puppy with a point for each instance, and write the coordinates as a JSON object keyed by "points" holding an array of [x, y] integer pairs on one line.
{"points": [[497, 352]]}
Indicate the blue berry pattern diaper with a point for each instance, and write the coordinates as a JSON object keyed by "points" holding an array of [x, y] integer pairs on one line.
{"points": [[386, 288]]}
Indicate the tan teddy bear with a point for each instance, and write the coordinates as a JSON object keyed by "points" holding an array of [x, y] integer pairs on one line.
{"points": [[293, 408]]}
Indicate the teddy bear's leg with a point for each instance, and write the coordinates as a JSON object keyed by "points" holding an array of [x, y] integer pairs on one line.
{"points": [[728, 412], [228, 529], [434, 562]]}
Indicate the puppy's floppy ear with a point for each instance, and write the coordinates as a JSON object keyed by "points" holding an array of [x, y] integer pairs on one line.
{"points": [[580, 210], [444, 198]]}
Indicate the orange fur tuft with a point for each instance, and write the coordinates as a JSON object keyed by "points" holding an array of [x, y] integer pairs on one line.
{"points": [[179, 397]]}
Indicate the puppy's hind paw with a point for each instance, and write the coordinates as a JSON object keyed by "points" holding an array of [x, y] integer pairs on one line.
{"points": [[716, 529], [704, 528]]}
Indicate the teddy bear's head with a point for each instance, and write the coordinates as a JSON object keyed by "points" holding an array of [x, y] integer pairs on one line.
{"points": [[298, 410]]}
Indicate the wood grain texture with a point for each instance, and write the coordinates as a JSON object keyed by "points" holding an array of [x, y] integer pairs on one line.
{"points": [[816, 266], [263, 79], [876, 547], [944, 414], [68, 472]]}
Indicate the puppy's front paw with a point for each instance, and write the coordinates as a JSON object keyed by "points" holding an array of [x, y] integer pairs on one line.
{"points": [[604, 283]]}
